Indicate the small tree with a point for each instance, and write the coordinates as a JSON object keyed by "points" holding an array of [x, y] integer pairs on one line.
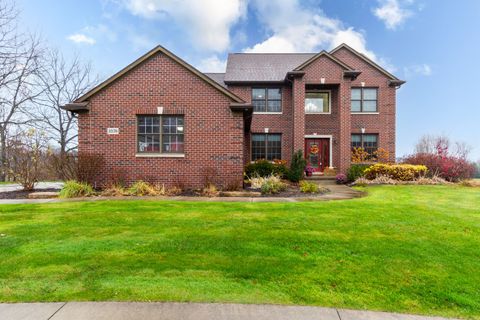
{"points": [[297, 167], [27, 155], [359, 155]]}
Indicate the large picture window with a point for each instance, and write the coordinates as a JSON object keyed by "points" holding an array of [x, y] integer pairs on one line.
{"points": [[266, 146], [267, 100], [317, 102], [369, 142], [364, 100], [160, 134]]}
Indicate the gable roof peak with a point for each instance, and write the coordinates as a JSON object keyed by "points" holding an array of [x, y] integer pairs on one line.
{"points": [[146, 56], [366, 59]]}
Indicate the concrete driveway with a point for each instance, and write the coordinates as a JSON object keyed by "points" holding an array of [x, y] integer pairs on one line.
{"points": [[38, 186]]}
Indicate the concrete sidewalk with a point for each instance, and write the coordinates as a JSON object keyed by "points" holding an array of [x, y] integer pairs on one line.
{"points": [[185, 311]]}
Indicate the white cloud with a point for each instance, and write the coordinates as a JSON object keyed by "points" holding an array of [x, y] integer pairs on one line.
{"points": [[419, 69], [294, 28], [207, 22], [81, 39], [141, 42], [212, 64], [392, 12]]}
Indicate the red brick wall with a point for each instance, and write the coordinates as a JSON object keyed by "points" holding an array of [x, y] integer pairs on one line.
{"points": [[382, 123], [276, 123], [213, 133], [340, 123]]}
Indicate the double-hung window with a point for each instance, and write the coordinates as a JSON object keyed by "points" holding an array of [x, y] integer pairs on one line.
{"points": [[266, 146], [267, 100], [160, 134], [369, 142], [364, 100]]}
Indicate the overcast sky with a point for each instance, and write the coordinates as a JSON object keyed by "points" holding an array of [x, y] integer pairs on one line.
{"points": [[433, 44]]}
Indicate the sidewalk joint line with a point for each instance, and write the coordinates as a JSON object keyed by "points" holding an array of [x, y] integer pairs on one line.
{"points": [[338, 314], [63, 305]]}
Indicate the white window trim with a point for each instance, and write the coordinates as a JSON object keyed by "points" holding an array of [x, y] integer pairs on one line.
{"points": [[268, 113], [365, 112], [160, 155], [324, 136], [329, 101]]}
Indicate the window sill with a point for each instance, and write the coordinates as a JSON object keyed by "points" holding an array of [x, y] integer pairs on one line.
{"points": [[160, 155], [268, 113], [365, 112], [318, 113]]}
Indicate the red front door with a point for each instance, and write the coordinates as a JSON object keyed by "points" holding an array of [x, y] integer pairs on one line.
{"points": [[317, 153]]}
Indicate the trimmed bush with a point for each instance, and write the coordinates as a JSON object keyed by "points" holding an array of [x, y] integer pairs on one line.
{"points": [[265, 168], [308, 187], [75, 189], [297, 167], [401, 172], [356, 171]]}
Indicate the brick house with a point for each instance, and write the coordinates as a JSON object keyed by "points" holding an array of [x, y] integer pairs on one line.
{"points": [[160, 119]]}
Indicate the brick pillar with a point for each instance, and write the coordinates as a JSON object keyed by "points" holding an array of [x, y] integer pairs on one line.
{"points": [[345, 127], [298, 114]]}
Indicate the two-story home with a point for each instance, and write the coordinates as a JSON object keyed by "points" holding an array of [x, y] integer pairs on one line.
{"points": [[160, 119]]}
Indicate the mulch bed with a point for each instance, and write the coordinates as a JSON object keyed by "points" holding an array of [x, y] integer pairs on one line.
{"points": [[22, 194]]}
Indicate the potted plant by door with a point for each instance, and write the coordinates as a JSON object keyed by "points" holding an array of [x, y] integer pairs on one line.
{"points": [[309, 171]]}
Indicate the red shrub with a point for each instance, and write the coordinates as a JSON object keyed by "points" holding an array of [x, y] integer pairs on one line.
{"points": [[450, 168]]}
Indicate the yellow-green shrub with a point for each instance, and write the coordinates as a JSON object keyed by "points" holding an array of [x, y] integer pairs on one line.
{"points": [[401, 172], [75, 189], [308, 187], [142, 188]]}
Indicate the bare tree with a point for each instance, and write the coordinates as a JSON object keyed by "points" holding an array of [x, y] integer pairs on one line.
{"points": [[18, 90], [441, 144], [63, 82]]}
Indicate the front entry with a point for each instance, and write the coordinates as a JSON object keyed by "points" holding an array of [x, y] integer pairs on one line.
{"points": [[317, 153]]}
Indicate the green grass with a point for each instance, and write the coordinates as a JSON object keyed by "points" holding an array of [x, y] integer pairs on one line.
{"points": [[412, 249]]}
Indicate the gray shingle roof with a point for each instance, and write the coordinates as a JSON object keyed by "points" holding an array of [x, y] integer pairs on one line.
{"points": [[262, 67], [217, 77]]}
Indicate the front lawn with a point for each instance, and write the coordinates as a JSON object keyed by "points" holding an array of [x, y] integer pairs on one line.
{"points": [[412, 249]]}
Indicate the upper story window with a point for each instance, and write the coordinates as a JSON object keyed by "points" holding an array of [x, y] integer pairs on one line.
{"points": [[364, 100], [266, 146], [160, 134], [317, 102], [267, 99]]}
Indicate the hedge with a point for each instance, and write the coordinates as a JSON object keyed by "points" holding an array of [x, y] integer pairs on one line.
{"points": [[401, 172]]}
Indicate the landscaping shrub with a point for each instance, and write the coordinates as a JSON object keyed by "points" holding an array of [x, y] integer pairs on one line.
{"points": [[115, 190], [265, 168], [401, 172], [451, 168], [210, 191], [341, 178], [308, 187], [434, 180], [75, 189], [356, 171], [272, 185], [297, 167], [142, 188]]}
